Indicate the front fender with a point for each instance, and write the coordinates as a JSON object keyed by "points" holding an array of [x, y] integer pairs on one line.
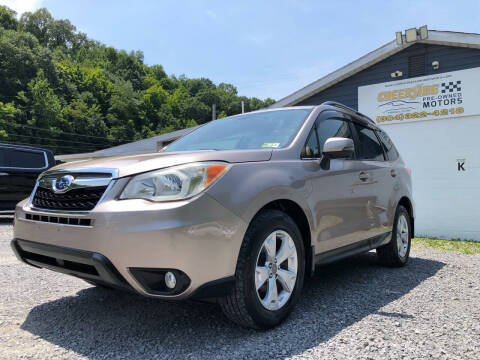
{"points": [[247, 188]]}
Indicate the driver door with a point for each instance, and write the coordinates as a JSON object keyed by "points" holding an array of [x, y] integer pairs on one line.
{"points": [[339, 208]]}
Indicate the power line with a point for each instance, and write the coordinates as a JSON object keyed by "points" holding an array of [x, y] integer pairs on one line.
{"points": [[67, 141], [43, 145], [47, 146], [60, 131]]}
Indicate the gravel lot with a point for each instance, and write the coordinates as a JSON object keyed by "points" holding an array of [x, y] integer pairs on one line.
{"points": [[353, 309]]}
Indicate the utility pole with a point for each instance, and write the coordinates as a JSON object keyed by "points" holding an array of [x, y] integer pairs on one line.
{"points": [[214, 112], [243, 107]]}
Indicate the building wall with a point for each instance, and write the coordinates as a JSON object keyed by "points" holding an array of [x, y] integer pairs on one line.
{"points": [[450, 58], [446, 199]]}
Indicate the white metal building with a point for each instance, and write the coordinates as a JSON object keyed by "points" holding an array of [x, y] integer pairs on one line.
{"points": [[423, 88]]}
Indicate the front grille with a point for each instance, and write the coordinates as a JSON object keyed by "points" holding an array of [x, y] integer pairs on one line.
{"points": [[75, 199]]}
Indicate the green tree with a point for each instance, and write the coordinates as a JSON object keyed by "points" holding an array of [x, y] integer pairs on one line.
{"points": [[8, 18], [86, 120], [37, 23], [8, 113], [62, 90], [21, 57], [45, 111], [123, 113], [60, 33], [46, 108], [153, 100]]}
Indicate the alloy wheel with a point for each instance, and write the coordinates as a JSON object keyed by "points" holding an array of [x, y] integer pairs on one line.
{"points": [[276, 270], [402, 235]]}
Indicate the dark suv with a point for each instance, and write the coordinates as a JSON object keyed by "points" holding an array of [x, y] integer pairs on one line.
{"points": [[19, 169]]}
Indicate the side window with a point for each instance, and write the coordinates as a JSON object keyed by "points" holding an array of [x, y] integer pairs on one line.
{"points": [[369, 147], [332, 128], [3, 157], [388, 146], [311, 149], [27, 159]]}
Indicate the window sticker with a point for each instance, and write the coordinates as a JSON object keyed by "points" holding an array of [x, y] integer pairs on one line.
{"points": [[270, 145]]}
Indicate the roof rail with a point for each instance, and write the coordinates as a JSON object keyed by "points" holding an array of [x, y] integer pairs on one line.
{"points": [[340, 105]]}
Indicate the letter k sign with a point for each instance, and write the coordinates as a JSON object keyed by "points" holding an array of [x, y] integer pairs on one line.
{"points": [[461, 164]]}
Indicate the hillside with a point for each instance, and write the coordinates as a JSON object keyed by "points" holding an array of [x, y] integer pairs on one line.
{"points": [[63, 91]]}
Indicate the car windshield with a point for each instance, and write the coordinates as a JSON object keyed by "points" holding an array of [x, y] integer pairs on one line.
{"points": [[261, 130]]}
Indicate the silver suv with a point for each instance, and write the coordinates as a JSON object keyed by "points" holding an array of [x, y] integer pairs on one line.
{"points": [[240, 210]]}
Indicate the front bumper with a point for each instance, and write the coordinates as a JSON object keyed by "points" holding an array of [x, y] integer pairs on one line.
{"points": [[199, 238], [80, 263]]}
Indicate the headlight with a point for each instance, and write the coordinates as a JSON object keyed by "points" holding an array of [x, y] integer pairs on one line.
{"points": [[174, 183]]}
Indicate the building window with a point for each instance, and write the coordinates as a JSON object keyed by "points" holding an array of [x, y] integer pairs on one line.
{"points": [[416, 65]]}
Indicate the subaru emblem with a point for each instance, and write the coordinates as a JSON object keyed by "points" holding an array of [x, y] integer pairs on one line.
{"points": [[62, 184]]}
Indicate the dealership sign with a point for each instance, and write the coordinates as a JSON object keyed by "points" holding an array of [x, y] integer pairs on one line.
{"points": [[445, 95]]}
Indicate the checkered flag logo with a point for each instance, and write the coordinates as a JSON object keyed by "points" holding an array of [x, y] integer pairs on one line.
{"points": [[451, 87]]}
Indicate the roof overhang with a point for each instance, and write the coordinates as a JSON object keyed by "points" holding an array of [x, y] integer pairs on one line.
{"points": [[447, 38]]}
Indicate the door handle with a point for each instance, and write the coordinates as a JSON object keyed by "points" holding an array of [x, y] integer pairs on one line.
{"points": [[393, 173], [3, 174], [363, 176]]}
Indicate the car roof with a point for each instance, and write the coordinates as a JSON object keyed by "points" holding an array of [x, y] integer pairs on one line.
{"points": [[355, 115], [330, 105]]}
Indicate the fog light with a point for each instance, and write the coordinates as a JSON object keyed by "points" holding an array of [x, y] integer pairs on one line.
{"points": [[170, 280]]}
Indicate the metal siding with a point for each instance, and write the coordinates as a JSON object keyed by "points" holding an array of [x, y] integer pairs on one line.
{"points": [[450, 59]]}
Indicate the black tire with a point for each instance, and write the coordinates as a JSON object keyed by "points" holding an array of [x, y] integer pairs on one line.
{"points": [[388, 254], [243, 306]]}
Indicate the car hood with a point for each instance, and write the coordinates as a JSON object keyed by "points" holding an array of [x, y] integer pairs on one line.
{"points": [[133, 164]]}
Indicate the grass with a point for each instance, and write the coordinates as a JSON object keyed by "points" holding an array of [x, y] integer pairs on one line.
{"points": [[460, 246]]}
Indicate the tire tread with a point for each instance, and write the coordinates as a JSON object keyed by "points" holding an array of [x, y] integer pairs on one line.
{"points": [[234, 305], [388, 254]]}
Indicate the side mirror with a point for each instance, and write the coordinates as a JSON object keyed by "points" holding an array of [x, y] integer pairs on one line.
{"points": [[338, 148]]}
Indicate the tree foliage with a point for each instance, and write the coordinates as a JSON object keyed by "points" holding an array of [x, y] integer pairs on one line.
{"points": [[63, 91]]}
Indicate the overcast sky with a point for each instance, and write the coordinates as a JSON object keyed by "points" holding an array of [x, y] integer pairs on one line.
{"points": [[265, 48]]}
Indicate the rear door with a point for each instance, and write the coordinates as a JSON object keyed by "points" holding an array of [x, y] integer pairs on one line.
{"points": [[396, 167], [25, 166], [374, 182]]}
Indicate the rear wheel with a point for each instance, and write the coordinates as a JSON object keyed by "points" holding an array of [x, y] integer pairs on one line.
{"points": [[270, 272], [397, 251]]}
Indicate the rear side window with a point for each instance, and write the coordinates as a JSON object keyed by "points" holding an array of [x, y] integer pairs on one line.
{"points": [[3, 157], [388, 146], [369, 147], [27, 159]]}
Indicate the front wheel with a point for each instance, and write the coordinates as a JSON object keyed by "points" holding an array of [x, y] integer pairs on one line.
{"points": [[397, 251], [270, 272]]}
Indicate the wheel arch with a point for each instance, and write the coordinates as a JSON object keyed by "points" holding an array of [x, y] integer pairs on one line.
{"points": [[407, 204], [295, 211]]}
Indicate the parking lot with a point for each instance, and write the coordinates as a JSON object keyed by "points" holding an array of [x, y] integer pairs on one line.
{"points": [[352, 309]]}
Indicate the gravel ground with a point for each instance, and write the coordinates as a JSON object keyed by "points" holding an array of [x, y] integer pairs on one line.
{"points": [[353, 309]]}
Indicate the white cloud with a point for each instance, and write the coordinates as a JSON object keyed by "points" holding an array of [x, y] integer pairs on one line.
{"points": [[21, 6]]}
